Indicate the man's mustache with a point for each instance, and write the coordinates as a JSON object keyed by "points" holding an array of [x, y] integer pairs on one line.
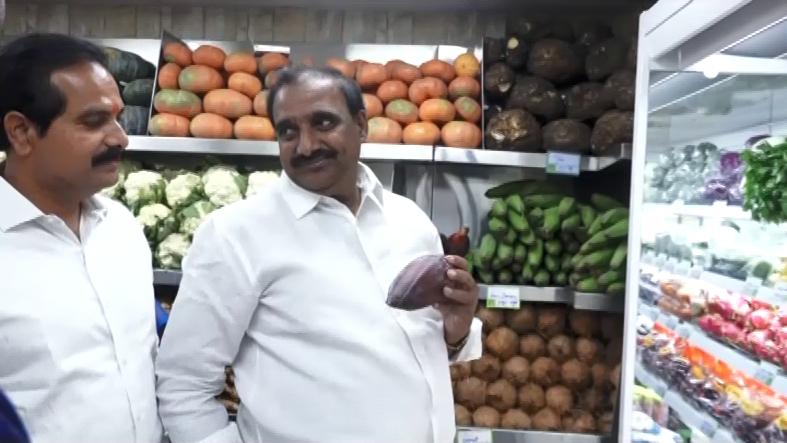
{"points": [[320, 154], [111, 154]]}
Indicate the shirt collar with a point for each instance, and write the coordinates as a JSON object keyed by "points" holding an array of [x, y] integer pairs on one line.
{"points": [[302, 201], [17, 209]]}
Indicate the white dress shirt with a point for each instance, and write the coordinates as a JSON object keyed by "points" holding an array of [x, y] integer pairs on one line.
{"points": [[77, 323], [289, 287]]}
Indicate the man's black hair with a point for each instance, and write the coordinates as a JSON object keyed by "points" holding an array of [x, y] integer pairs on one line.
{"points": [[26, 67], [352, 93]]}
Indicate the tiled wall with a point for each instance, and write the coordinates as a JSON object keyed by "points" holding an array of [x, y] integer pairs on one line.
{"points": [[264, 25]]}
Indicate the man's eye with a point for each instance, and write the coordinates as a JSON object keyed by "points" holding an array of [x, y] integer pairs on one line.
{"points": [[325, 123], [285, 132]]}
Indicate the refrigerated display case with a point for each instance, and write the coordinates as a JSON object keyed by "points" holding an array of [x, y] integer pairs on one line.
{"points": [[706, 330]]}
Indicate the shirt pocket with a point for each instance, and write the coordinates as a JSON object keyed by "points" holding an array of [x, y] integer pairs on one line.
{"points": [[26, 359]]}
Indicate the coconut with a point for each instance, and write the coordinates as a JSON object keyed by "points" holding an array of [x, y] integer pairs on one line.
{"points": [[594, 400], [560, 399], [614, 376], [599, 372], [583, 323], [515, 419], [575, 374], [531, 398], [516, 370], [532, 346], [587, 350], [490, 318], [486, 417], [604, 423], [522, 320], [579, 421], [560, 348], [471, 392], [501, 395], [460, 370], [486, 368], [547, 420], [545, 371], [551, 321], [503, 343], [463, 416]]}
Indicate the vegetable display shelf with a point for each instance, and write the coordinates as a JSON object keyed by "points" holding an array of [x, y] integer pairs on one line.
{"points": [[484, 435], [718, 210]]}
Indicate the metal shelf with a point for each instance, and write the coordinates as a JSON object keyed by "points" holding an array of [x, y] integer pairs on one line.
{"points": [[700, 211], [482, 435], [520, 159], [166, 277]]}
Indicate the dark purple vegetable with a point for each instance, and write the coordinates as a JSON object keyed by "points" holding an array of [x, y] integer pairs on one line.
{"points": [[729, 163], [753, 140]]}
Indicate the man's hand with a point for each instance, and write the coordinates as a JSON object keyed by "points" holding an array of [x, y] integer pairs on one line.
{"points": [[462, 292]]}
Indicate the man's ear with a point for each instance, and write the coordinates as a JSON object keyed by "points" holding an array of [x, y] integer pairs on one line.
{"points": [[363, 126], [19, 131]]}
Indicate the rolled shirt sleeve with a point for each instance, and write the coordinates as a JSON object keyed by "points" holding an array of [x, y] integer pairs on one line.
{"points": [[209, 318]]}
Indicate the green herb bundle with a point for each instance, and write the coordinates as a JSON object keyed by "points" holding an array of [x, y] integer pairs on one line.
{"points": [[765, 180]]}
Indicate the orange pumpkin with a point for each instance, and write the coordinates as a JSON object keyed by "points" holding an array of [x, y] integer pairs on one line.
{"points": [[468, 109], [169, 125], [383, 130], [168, 76], [177, 102], [272, 61], [177, 53], [373, 106], [200, 79], [227, 103], [392, 90], [209, 55], [370, 75], [260, 104], [402, 111], [406, 73], [421, 133], [461, 135], [244, 83], [438, 69], [240, 62], [437, 110], [346, 68], [467, 65], [251, 127], [464, 87], [210, 126], [426, 88]]}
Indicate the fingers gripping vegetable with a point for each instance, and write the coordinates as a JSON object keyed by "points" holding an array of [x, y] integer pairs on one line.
{"points": [[223, 185], [183, 190], [143, 188], [170, 252]]}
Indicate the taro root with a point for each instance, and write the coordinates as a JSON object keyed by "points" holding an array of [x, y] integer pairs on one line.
{"points": [[463, 416], [513, 130], [490, 318], [516, 370], [560, 399], [528, 28], [531, 398], [515, 419], [551, 321], [575, 374], [610, 131], [498, 80], [536, 96], [620, 89], [587, 101], [604, 58], [555, 60], [494, 50], [460, 371], [545, 371], [532, 346], [521, 321], [516, 52], [599, 372], [486, 417], [566, 135], [547, 420], [503, 343], [491, 110], [583, 323], [580, 422], [587, 350], [588, 32], [501, 395], [471, 393], [560, 348], [486, 368]]}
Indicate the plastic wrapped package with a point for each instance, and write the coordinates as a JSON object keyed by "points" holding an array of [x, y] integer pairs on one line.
{"points": [[650, 403], [645, 430], [681, 174]]}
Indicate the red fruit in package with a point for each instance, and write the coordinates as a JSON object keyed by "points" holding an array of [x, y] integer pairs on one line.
{"points": [[420, 284], [711, 324], [732, 333], [781, 316], [760, 319], [779, 334], [731, 306], [755, 341]]}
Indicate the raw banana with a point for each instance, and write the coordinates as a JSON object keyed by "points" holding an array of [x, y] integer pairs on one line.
{"points": [[595, 227], [551, 222], [496, 264], [553, 247], [571, 223], [588, 214], [520, 253], [486, 249], [510, 237], [515, 268], [541, 278], [514, 203], [536, 254], [497, 227], [587, 285], [597, 260], [505, 254], [565, 263], [528, 239], [619, 257], [505, 277], [542, 201], [527, 273], [560, 279], [536, 216], [518, 221], [541, 187], [619, 230], [506, 189], [470, 258], [616, 289], [576, 260], [581, 234], [574, 278], [551, 263], [486, 277], [604, 203], [573, 247], [499, 208], [613, 216], [609, 278], [567, 206]]}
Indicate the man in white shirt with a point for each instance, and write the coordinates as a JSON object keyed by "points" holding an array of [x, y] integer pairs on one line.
{"points": [[290, 288], [77, 323]]}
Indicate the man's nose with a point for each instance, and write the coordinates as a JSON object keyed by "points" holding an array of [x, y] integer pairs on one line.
{"points": [[307, 143]]}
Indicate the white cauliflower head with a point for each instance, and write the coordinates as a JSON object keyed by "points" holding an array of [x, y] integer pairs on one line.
{"points": [[193, 215], [183, 190], [170, 252], [223, 185], [143, 188], [156, 221], [259, 180]]}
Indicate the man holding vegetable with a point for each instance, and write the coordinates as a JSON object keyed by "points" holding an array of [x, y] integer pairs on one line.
{"points": [[289, 287], [77, 327]]}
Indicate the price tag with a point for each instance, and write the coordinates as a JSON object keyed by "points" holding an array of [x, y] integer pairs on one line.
{"points": [[502, 297], [708, 428], [765, 373], [563, 163], [696, 271], [751, 286], [474, 436]]}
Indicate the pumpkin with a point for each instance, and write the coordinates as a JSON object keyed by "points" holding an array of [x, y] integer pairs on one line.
{"points": [[169, 125], [178, 102], [468, 109], [426, 88], [272, 61], [461, 135], [402, 111], [421, 133], [168, 76], [438, 69], [244, 83], [406, 73], [209, 55], [251, 127], [134, 120], [370, 75], [391, 65], [373, 106], [210, 126], [177, 53], [464, 87], [271, 78], [139, 92], [358, 64], [260, 104], [392, 90], [346, 68], [383, 130], [467, 65], [200, 79], [437, 110], [240, 62], [127, 66], [227, 103]]}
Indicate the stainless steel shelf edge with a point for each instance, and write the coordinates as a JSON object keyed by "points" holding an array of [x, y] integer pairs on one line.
{"points": [[535, 160], [579, 300], [166, 277], [511, 436]]}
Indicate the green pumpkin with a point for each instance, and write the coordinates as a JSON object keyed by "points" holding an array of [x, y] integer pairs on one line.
{"points": [[127, 66], [134, 120], [138, 92]]}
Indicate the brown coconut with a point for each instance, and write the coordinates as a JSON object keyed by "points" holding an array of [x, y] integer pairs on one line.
{"points": [[503, 343], [547, 420], [560, 348], [463, 416], [584, 323], [515, 419], [486, 417], [545, 371], [531, 398], [588, 350], [486, 368], [516, 370], [532, 346], [490, 318], [581, 422], [501, 395], [560, 399], [551, 321], [575, 374], [522, 320], [471, 393]]}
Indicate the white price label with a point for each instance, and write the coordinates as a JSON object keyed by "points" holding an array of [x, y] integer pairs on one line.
{"points": [[751, 286], [780, 290], [765, 373], [696, 271], [563, 163], [502, 297], [474, 436]]}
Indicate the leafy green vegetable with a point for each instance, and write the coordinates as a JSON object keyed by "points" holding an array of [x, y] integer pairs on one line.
{"points": [[765, 180]]}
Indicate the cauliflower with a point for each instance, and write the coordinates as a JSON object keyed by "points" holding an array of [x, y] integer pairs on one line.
{"points": [[223, 185], [157, 222], [259, 180], [143, 188], [170, 252], [193, 215], [183, 190]]}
